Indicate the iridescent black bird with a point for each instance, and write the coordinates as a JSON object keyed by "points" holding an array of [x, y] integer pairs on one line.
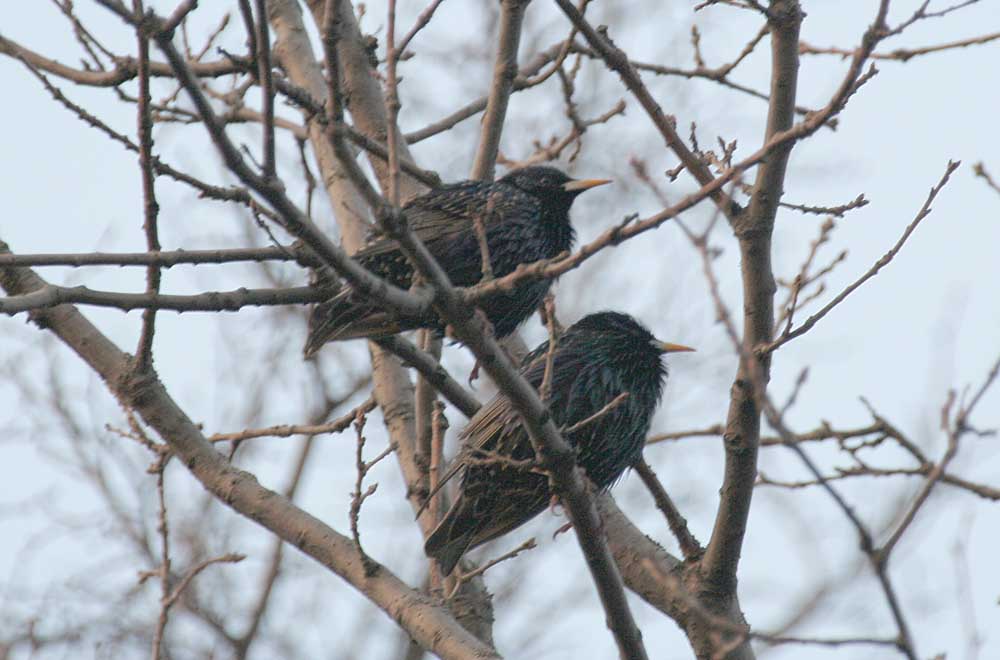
{"points": [[595, 360], [526, 218]]}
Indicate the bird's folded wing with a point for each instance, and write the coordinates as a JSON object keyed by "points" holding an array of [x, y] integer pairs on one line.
{"points": [[433, 217], [480, 434]]}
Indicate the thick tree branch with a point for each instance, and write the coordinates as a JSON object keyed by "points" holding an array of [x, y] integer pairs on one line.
{"points": [[504, 73], [430, 368], [292, 219], [554, 454], [144, 393], [126, 68], [262, 35], [393, 389], [753, 230], [362, 92]]}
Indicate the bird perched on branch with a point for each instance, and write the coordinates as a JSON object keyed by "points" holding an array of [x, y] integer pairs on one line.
{"points": [[525, 218], [606, 380]]}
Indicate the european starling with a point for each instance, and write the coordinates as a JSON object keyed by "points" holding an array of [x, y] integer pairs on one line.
{"points": [[525, 215], [595, 361]]}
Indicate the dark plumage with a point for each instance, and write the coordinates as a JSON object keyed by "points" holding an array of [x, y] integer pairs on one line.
{"points": [[526, 218], [595, 360]]}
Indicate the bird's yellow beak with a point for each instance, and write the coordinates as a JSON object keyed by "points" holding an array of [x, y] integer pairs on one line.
{"points": [[667, 347], [579, 185]]}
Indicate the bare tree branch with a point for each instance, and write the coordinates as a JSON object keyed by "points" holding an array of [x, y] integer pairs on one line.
{"points": [[618, 61], [504, 72], [433, 372], [753, 230], [690, 547], [213, 301], [425, 621], [126, 68], [144, 350], [884, 260], [904, 54], [164, 259]]}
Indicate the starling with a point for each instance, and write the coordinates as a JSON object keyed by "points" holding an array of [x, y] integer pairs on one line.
{"points": [[525, 215], [595, 361]]}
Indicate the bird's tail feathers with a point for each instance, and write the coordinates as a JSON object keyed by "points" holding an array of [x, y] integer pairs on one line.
{"points": [[346, 317], [452, 537]]}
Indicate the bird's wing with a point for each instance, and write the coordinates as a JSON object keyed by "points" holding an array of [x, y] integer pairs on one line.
{"points": [[492, 421], [498, 419], [485, 426], [440, 214]]}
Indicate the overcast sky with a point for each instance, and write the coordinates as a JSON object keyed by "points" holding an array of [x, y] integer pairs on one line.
{"points": [[929, 322]]}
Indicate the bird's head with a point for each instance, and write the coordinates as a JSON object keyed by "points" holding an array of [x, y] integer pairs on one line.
{"points": [[553, 188], [627, 345]]}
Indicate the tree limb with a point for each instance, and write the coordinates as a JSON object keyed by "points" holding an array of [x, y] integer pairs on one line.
{"points": [[426, 622]]}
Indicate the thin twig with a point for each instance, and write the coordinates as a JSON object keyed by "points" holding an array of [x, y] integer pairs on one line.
{"points": [[605, 409], [957, 428], [229, 558], [422, 20], [689, 545], [392, 105], [163, 529], [212, 301], [551, 324], [465, 577], [289, 430], [884, 260], [262, 35], [358, 497], [980, 171], [838, 211], [163, 259], [144, 122], [841, 474], [618, 61], [904, 54], [709, 432]]}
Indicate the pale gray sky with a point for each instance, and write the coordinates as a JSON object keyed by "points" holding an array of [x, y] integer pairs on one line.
{"points": [[930, 321]]}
